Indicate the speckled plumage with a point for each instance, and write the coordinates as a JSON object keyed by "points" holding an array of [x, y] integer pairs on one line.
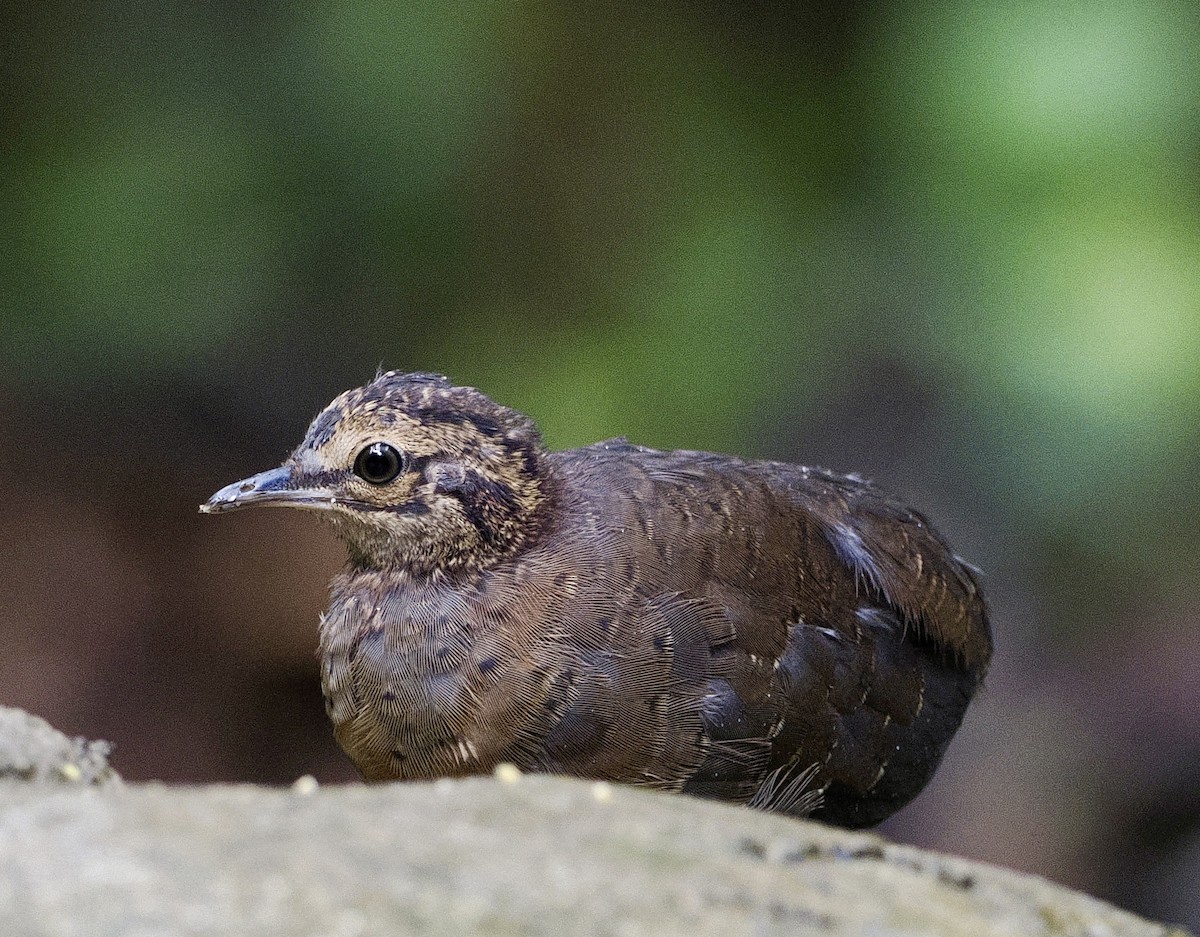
{"points": [[754, 631]]}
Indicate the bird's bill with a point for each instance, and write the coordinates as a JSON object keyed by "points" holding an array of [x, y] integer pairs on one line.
{"points": [[273, 488]]}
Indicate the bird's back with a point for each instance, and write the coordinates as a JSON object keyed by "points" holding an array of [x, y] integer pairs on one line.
{"points": [[812, 640]]}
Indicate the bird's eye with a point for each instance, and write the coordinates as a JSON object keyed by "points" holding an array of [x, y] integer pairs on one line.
{"points": [[379, 463]]}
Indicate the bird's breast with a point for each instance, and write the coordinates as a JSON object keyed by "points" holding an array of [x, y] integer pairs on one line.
{"points": [[425, 680], [395, 681]]}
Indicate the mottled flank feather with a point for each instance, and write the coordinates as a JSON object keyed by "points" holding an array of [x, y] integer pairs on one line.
{"points": [[761, 632]]}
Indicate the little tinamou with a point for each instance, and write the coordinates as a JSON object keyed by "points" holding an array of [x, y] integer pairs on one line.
{"points": [[753, 631]]}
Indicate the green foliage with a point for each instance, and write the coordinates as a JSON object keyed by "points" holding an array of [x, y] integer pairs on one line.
{"points": [[641, 220]]}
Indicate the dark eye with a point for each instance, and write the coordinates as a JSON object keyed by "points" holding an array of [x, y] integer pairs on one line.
{"points": [[379, 463]]}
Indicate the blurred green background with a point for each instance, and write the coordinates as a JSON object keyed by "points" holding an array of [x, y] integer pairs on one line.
{"points": [[955, 247]]}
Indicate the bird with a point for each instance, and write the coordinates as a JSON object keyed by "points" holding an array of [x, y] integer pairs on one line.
{"points": [[760, 632]]}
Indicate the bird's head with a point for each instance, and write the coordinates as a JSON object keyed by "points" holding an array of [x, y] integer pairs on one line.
{"points": [[412, 472]]}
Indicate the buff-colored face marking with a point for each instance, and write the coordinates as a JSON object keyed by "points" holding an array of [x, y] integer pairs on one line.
{"points": [[406, 468]]}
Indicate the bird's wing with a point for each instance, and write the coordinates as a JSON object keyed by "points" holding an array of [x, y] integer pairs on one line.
{"points": [[796, 634]]}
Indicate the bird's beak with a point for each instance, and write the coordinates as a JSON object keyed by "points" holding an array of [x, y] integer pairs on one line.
{"points": [[273, 488]]}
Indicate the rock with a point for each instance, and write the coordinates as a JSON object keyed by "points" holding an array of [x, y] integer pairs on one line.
{"points": [[535, 855], [33, 750]]}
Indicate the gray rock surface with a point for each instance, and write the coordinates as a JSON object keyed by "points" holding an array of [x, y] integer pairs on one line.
{"points": [[519, 855], [33, 750]]}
